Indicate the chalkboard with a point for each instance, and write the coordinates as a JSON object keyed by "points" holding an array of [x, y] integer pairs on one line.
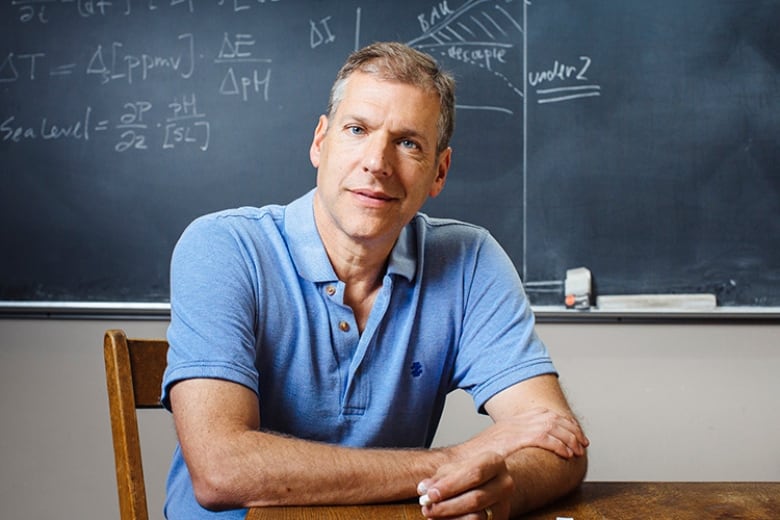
{"points": [[636, 138]]}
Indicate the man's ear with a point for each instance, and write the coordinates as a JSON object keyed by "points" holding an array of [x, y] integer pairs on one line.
{"points": [[316, 143], [442, 168]]}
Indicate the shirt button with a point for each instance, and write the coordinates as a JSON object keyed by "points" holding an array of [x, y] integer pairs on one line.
{"points": [[344, 326], [330, 290]]}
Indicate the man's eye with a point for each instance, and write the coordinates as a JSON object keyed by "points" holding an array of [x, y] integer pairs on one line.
{"points": [[407, 143], [355, 130]]}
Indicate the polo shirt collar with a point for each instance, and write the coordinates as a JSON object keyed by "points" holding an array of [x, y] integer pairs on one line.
{"points": [[308, 253]]}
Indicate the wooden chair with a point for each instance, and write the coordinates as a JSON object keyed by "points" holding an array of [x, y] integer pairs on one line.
{"points": [[134, 372]]}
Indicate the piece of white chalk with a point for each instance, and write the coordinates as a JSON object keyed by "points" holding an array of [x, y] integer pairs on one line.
{"points": [[704, 302]]}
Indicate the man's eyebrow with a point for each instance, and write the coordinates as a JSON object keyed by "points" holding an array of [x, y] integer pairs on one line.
{"points": [[351, 119], [404, 132]]}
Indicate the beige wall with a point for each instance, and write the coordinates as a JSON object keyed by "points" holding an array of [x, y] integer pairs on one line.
{"points": [[660, 402]]}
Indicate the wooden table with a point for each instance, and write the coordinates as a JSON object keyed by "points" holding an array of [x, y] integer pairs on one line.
{"points": [[594, 501]]}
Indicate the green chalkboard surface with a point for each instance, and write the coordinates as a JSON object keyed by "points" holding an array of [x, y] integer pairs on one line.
{"points": [[638, 139]]}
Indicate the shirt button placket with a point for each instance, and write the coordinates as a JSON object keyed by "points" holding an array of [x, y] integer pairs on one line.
{"points": [[331, 291], [345, 342]]}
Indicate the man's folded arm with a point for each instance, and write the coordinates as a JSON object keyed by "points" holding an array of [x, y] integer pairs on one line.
{"points": [[542, 475], [233, 464]]}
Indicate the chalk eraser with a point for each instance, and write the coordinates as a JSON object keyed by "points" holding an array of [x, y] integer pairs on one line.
{"points": [[577, 281], [577, 288]]}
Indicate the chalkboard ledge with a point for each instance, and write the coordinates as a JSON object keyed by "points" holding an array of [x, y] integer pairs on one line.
{"points": [[86, 310], [560, 314]]}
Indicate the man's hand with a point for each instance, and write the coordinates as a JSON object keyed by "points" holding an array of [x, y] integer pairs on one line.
{"points": [[538, 427], [480, 475], [534, 452], [464, 489]]}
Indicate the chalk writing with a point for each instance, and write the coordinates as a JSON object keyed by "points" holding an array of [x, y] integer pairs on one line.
{"points": [[480, 56], [320, 33], [562, 73], [236, 52], [108, 63], [32, 12], [243, 5], [153, 5], [132, 126], [115, 64], [12, 64], [184, 125], [40, 11], [46, 130], [479, 34], [436, 14], [89, 8]]}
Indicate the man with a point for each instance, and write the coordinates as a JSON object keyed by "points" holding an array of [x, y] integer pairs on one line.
{"points": [[312, 345]]}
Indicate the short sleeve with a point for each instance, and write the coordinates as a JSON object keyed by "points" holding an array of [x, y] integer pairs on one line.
{"points": [[498, 346], [213, 307]]}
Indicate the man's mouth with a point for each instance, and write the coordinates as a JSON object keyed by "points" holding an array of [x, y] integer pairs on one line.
{"points": [[374, 195]]}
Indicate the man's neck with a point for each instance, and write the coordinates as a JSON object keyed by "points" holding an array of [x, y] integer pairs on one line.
{"points": [[359, 264], [361, 267]]}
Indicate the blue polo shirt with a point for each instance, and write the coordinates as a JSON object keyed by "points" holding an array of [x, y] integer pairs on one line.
{"points": [[255, 300]]}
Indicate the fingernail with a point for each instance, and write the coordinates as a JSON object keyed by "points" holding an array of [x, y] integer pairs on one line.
{"points": [[421, 489], [425, 500]]}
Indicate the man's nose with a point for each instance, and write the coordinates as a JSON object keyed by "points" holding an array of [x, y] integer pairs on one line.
{"points": [[376, 156]]}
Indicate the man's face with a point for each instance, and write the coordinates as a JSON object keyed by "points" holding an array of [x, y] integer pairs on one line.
{"points": [[376, 160]]}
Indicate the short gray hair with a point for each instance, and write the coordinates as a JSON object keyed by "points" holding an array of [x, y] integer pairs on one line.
{"points": [[398, 62]]}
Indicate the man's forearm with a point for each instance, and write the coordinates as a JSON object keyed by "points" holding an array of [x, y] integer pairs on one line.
{"points": [[234, 464], [279, 470], [542, 476]]}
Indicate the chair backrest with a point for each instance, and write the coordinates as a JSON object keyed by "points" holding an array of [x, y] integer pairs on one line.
{"points": [[134, 372]]}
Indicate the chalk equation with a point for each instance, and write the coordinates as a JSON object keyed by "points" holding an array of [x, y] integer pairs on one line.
{"points": [[45, 11], [113, 62], [243, 75], [138, 127]]}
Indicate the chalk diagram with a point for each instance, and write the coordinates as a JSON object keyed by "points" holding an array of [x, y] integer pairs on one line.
{"points": [[481, 34]]}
